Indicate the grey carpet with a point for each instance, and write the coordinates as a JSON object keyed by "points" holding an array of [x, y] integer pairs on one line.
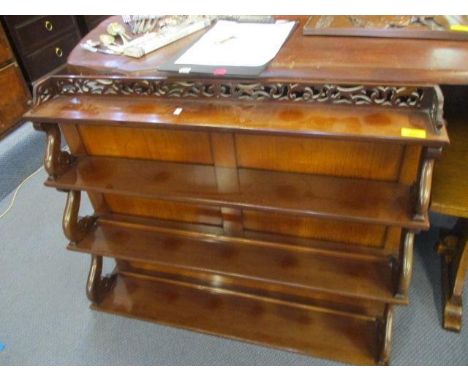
{"points": [[21, 153], [45, 319]]}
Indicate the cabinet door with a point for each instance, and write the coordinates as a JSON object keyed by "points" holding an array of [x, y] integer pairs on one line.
{"points": [[13, 97]]}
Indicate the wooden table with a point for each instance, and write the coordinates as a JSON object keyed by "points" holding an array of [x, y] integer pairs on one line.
{"points": [[279, 210], [450, 197]]}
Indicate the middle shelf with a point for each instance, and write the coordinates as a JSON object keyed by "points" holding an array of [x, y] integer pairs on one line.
{"points": [[348, 199], [294, 269]]}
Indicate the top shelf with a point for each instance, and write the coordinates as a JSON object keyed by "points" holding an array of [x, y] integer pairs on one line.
{"points": [[288, 118]]}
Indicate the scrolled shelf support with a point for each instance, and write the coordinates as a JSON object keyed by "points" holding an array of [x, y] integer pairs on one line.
{"points": [[386, 336], [96, 285], [74, 227], [56, 161], [405, 268], [437, 111], [424, 184]]}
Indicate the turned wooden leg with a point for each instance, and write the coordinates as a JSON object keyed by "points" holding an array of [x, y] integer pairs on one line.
{"points": [[454, 252], [386, 336], [96, 285]]}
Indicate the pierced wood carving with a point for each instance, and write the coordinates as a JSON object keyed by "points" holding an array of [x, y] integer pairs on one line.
{"points": [[386, 336], [44, 91], [437, 109], [74, 227], [56, 161], [395, 96], [422, 189], [405, 264], [96, 285]]}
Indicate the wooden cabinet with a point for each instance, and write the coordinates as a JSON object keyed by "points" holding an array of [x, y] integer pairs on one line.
{"points": [[50, 56], [14, 95], [42, 43]]}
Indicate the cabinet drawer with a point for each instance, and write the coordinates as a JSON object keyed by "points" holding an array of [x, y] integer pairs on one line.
{"points": [[14, 102], [5, 51], [41, 31], [51, 56]]}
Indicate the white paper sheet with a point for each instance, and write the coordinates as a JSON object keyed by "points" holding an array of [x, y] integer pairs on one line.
{"points": [[230, 43]]}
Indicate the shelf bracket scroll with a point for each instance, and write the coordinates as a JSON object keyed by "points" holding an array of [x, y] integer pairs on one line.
{"points": [[74, 227], [96, 285], [437, 110], [56, 161], [386, 336], [424, 184], [405, 268]]}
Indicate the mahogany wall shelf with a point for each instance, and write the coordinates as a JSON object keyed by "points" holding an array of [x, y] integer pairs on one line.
{"points": [[278, 211]]}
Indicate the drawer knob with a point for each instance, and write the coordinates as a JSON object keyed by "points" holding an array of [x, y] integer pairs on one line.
{"points": [[58, 52], [48, 25]]}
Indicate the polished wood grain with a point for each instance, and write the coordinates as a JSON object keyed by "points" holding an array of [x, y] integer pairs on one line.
{"points": [[386, 26], [346, 303], [355, 200], [14, 98], [368, 160], [333, 121], [237, 315], [276, 240], [157, 144], [315, 58], [450, 182], [5, 50], [314, 270], [331, 230], [164, 209]]}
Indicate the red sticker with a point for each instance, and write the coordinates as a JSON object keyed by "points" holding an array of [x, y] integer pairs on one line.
{"points": [[220, 71]]}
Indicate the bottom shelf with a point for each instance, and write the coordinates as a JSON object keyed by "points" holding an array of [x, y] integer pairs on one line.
{"points": [[314, 331]]}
